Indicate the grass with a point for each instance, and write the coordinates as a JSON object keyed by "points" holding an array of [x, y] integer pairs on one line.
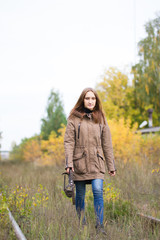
{"points": [[38, 203]]}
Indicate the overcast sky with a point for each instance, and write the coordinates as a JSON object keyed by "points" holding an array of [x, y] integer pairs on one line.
{"points": [[65, 45]]}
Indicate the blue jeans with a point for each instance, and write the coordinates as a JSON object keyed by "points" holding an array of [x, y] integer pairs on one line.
{"points": [[97, 189]]}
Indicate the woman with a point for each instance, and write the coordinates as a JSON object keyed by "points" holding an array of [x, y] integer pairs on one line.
{"points": [[87, 146]]}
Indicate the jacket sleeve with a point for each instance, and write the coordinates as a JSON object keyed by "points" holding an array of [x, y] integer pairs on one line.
{"points": [[69, 143], [107, 148]]}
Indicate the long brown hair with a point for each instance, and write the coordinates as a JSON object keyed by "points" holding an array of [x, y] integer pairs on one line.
{"points": [[98, 114]]}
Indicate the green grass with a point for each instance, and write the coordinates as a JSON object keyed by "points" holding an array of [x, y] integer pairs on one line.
{"points": [[45, 213]]}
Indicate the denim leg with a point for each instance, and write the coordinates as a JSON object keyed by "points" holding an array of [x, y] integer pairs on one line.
{"points": [[80, 198], [97, 188]]}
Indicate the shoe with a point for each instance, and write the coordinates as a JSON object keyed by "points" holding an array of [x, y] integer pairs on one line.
{"points": [[100, 229]]}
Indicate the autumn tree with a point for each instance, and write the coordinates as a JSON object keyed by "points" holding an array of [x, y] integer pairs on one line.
{"points": [[18, 152], [55, 115], [53, 148], [146, 72], [115, 93]]}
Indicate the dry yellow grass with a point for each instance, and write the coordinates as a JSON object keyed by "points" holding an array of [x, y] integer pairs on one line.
{"points": [[58, 220]]}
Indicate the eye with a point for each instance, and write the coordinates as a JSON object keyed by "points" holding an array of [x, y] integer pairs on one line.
{"points": [[86, 98], [93, 98]]}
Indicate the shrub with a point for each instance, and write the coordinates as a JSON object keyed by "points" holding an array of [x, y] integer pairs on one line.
{"points": [[114, 206], [126, 143], [21, 201]]}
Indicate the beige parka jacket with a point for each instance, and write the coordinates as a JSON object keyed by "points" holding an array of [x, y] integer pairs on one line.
{"points": [[88, 146]]}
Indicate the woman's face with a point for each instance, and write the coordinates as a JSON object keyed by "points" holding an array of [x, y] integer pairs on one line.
{"points": [[90, 100]]}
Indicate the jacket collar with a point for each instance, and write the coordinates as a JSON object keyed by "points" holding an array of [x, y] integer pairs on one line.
{"points": [[80, 115]]}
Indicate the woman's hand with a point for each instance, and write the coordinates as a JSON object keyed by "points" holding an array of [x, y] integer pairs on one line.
{"points": [[67, 170], [112, 173]]}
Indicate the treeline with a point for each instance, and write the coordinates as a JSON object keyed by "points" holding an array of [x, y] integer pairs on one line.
{"points": [[120, 97], [43, 147], [128, 145], [125, 102]]}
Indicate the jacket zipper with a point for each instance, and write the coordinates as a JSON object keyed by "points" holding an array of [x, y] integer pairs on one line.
{"points": [[79, 129], [100, 130]]}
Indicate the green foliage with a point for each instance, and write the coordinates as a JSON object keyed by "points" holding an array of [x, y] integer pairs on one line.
{"points": [[55, 116], [119, 209], [147, 74]]}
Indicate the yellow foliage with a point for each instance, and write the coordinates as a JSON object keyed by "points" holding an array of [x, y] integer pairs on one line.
{"points": [[110, 193], [46, 152], [147, 89], [114, 92], [53, 149], [32, 151], [157, 170], [128, 145], [126, 142]]}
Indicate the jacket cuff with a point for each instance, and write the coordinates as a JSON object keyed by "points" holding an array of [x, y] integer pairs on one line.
{"points": [[69, 163], [111, 166]]}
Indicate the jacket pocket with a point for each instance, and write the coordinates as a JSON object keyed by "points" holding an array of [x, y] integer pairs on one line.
{"points": [[101, 162], [79, 163]]}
